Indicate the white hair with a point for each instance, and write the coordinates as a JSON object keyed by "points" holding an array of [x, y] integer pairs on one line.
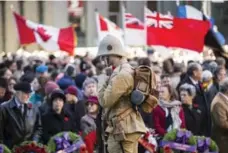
{"points": [[207, 75]]}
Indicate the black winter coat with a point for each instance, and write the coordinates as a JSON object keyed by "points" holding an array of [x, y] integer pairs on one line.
{"points": [[54, 123], [204, 106], [192, 118], [16, 127], [77, 110]]}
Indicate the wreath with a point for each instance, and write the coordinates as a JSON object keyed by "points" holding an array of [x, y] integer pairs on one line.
{"points": [[68, 142], [30, 146], [4, 149], [149, 142], [178, 139], [205, 144]]}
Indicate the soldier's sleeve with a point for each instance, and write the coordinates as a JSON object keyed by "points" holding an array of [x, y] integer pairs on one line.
{"points": [[38, 127], [119, 85]]}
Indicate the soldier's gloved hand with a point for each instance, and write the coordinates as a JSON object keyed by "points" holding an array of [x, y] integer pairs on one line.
{"points": [[108, 71]]}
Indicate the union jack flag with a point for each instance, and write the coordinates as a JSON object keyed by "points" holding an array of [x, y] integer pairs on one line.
{"points": [[132, 22], [157, 20]]}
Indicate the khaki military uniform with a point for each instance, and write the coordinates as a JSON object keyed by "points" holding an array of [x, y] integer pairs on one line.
{"points": [[125, 125]]}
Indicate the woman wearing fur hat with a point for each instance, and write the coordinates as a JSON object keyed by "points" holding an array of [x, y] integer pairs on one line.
{"points": [[88, 123], [57, 120]]}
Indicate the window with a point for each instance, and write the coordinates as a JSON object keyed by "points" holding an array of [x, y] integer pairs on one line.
{"points": [[114, 6], [41, 11], [152, 5], [114, 9], [21, 7]]}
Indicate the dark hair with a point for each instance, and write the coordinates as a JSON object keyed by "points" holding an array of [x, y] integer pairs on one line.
{"points": [[165, 76], [28, 68], [3, 83], [19, 64], [144, 61], [51, 57], [42, 81], [8, 63], [3, 71], [172, 92]]}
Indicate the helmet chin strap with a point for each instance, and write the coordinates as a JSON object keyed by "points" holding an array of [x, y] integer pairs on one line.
{"points": [[106, 61]]}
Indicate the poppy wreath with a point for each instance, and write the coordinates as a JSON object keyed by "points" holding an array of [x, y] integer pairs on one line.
{"points": [[205, 144], [4, 149], [68, 142], [178, 139], [30, 146], [148, 142]]}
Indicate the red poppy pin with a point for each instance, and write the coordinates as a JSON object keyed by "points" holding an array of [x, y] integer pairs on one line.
{"points": [[66, 119], [29, 105], [195, 105]]}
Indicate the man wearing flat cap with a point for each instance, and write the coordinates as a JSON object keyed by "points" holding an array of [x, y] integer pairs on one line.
{"points": [[19, 121]]}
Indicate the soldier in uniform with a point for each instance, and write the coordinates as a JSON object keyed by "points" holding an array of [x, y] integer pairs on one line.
{"points": [[124, 124]]}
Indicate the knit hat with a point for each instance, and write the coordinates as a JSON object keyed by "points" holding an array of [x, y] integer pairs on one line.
{"points": [[41, 69], [79, 80], [93, 100], [50, 86], [23, 86], [71, 90], [57, 93]]}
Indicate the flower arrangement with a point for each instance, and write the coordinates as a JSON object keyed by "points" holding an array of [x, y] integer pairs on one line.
{"points": [[67, 142], [205, 144], [178, 139], [4, 149], [148, 142], [30, 146]]}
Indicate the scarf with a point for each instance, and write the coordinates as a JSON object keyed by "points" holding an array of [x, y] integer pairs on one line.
{"points": [[172, 111]]}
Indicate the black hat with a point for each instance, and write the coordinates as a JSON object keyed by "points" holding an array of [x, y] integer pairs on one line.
{"points": [[23, 86], [58, 93]]}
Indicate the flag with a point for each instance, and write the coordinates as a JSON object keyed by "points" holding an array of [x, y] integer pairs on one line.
{"points": [[134, 31], [213, 37], [50, 38], [105, 26], [169, 31]]}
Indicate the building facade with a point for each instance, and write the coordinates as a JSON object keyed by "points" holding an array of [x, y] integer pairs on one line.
{"points": [[57, 14]]}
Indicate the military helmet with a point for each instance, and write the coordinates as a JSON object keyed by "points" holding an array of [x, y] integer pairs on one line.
{"points": [[111, 45]]}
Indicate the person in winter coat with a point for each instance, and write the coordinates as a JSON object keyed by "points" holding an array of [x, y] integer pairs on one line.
{"points": [[49, 87], [19, 120], [88, 123], [219, 114], [168, 114], [193, 77], [74, 106], [38, 95], [57, 119], [192, 112]]}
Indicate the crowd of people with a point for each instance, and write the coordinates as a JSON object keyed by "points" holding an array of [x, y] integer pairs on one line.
{"points": [[42, 98]]}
